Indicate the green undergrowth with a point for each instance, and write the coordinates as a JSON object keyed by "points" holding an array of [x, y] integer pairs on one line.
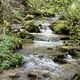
{"points": [[9, 57]]}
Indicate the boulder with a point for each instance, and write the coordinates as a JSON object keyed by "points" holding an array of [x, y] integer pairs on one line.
{"points": [[38, 74], [60, 59], [22, 33], [33, 28], [14, 75], [60, 27], [33, 75], [46, 74]]}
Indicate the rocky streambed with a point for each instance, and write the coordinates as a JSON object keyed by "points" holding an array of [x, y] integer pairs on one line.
{"points": [[42, 60]]}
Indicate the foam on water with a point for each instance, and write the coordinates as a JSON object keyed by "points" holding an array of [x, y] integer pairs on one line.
{"points": [[46, 43], [69, 58], [36, 62]]}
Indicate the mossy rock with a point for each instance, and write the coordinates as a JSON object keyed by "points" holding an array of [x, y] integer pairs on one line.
{"points": [[27, 24], [30, 26], [73, 51], [33, 28], [37, 13], [29, 17], [63, 48], [60, 59], [78, 53], [65, 38], [22, 33], [60, 27]]}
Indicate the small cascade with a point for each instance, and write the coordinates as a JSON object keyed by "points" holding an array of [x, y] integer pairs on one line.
{"points": [[47, 37], [69, 58], [40, 64], [45, 29]]}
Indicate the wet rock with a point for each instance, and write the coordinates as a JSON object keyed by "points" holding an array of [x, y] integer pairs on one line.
{"points": [[60, 27], [46, 74], [14, 75], [38, 74], [33, 28], [76, 77], [29, 36], [32, 75], [60, 59], [73, 51], [40, 25], [15, 30], [63, 48], [50, 48], [41, 56], [65, 38], [29, 17], [22, 33]]}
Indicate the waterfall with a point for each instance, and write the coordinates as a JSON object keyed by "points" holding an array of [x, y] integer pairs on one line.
{"points": [[45, 28], [46, 37]]}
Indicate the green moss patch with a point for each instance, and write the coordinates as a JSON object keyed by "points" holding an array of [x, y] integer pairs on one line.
{"points": [[60, 27]]}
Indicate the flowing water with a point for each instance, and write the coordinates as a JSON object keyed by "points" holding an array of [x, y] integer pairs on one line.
{"points": [[39, 57], [47, 37]]}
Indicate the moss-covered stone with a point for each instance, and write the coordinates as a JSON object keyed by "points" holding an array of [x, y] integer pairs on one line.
{"points": [[33, 28], [60, 27], [30, 26], [22, 33], [72, 50], [29, 17], [60, 59]]}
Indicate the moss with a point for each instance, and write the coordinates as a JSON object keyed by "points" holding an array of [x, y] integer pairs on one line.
{"points": [[60, 27], [30, 26], [33, 28], [27, 24], [72, 50], [22, 34], [29, 17]]}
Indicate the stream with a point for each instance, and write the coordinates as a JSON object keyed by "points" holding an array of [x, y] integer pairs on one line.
{"points": [[39, 57]]}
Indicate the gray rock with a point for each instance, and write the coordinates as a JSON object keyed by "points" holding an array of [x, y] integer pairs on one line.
{"points": [[14, 75], [46, 74]]}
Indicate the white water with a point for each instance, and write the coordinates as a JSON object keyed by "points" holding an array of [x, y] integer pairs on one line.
{"points": [[69, 58], [45, 29], [42, 63], [47, 37], [35, 62]]}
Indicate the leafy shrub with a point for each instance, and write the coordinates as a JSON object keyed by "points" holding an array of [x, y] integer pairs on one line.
{"points": [[9, 58]]}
